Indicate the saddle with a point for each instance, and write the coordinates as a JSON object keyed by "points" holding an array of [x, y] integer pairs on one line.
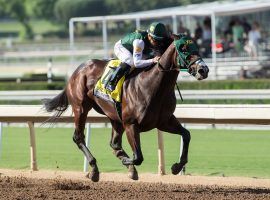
{"points": [[100, 87], [114, 96]]}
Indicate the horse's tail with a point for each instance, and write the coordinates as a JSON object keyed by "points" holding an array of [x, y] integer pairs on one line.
{"points": [[58, 104]]}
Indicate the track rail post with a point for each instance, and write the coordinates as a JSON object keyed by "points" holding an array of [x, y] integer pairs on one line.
{"points": [[87, 141], [161, 160], [182, 172], [33, 156], [1, 129]]}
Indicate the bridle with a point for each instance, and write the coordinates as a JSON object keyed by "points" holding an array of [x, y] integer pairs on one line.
{"points": [[178, 67], [174, 66], [188, 67]]}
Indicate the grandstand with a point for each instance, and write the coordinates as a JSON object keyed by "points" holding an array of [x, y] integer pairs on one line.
{"points": [[224, 65], [172, 16]]}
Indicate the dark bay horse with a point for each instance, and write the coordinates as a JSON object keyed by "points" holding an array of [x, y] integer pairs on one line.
{"points": [[148, 102]]}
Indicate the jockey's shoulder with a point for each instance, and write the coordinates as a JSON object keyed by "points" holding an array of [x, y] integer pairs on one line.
{"points": [[140, 31], [137, 34]]}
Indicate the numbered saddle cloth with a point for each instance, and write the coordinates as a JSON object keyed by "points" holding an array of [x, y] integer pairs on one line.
{"points": [[101, 91]]}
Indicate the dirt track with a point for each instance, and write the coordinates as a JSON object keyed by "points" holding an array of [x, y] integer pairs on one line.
{"points": [[72, 185]]}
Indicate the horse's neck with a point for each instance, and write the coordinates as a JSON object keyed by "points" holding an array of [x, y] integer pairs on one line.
{"points": [[167, 59], [159, 81]]}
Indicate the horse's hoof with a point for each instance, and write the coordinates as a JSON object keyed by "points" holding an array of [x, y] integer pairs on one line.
{"points": [[132, 173], [176, 168], [93, 175]]}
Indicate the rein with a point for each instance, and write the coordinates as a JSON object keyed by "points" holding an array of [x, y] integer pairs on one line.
{"points": [[177, 68], [161, 69], [179, 92]]}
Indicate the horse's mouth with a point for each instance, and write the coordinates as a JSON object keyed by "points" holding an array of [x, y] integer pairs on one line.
{"points": [[202, 73]]}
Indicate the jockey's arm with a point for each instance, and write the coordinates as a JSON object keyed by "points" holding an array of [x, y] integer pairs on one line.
{"points": [[138, 46]]}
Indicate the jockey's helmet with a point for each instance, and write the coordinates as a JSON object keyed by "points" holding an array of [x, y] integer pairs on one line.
{"points": [[157, 31]]}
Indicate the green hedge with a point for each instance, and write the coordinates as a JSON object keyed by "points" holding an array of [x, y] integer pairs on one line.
{"points": [[223, 101], [195, 85], [20, 102], [42, 77], [225, 85], [5, 34], [32, 86]]}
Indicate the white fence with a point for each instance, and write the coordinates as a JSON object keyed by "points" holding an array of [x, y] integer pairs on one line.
{"points": [[187, 94], [206, 114], [13, 64], [232, 67]]}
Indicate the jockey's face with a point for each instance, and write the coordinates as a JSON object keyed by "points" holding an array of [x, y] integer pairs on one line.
{"points": [[154, 43]]}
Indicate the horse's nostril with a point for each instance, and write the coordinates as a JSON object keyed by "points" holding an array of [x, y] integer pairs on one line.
{"points": [[201, 71]]}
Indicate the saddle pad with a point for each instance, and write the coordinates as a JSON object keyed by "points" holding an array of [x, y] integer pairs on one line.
{"points": [[101, 91]]}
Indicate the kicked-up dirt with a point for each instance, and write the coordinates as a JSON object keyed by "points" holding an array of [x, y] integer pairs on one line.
{"points": [[23, 187]]}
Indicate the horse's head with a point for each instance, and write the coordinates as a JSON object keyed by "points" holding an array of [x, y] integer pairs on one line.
{"points": [[188, 57]]}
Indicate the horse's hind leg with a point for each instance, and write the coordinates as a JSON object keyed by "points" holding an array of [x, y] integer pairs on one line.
{"points": [[175, 127], [80, 114], [116, 144], [133, 136]]}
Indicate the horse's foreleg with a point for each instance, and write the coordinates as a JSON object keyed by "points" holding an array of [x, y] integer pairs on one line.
{"points": [[133, 136], [79, 138], [175, 127], [116, 144]]}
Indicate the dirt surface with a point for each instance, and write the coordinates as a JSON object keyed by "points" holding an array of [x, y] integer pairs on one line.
{"points": [[22, 185]]}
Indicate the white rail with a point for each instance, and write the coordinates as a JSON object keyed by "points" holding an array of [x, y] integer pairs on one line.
{"points": [[187, 94], [225, 94]]}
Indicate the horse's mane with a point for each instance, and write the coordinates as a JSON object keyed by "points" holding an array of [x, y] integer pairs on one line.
{"points": [[157, 52]]}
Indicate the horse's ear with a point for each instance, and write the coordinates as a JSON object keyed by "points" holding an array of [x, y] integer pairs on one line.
{"points": [[178, 36], [175, 36]]}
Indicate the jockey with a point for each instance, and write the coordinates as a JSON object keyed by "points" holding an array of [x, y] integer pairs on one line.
{"points": [[136, 50]]}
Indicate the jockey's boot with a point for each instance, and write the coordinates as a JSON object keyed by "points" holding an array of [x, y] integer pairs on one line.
{"points": [[119, 72]]}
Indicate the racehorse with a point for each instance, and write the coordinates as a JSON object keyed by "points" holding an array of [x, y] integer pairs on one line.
{"points": [[148, 102]]}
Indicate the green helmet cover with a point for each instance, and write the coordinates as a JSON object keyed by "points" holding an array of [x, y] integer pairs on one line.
{"points": [[158, 31], [185, 47]]}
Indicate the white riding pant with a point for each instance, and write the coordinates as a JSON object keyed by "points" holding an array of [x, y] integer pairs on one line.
{"points": [[123, 54]]}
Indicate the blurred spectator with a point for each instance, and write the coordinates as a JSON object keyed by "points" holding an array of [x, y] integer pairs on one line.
{"points": [[243, 73], [228, 31], [238, 34], [223, 44], [169, 29], [206, 33], [254, 37], [182, 29], [246, 25], [206, 37], [198, 34], [198, 31]]}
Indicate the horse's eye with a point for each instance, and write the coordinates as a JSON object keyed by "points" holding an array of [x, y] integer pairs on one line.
{"points": [[189, 57], [183, 48], [190, 70]]}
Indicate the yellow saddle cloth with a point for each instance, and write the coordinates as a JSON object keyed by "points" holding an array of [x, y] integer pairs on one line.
{"points": [[101, 91]]}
